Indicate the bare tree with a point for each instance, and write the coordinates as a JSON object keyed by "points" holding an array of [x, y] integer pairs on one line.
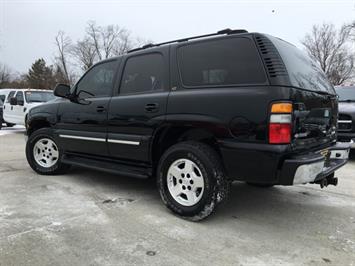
{"points": [[5, 74], [63, 44], [330, 48], [109, 40], [85, 53]]}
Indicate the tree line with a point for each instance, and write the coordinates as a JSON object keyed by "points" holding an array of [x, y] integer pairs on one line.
{"points": [[332, 48]]}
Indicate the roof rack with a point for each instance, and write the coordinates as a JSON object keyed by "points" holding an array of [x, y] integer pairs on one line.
{"points": [[221, 32]]}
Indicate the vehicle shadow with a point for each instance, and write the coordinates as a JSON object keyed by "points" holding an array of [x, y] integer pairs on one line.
{"points": [[274, 206]]}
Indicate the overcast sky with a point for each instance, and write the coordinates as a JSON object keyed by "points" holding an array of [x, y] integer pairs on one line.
{"points": [[28, 28]]}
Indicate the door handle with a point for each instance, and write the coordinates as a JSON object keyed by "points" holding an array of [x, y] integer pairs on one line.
{"points": [[12, 108], [151, 107], [100, 109]]}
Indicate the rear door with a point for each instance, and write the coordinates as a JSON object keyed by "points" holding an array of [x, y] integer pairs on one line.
{"points": [[314, 98], [82, 124], [138, 108]]}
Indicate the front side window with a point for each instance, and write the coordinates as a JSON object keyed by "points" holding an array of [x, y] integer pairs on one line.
{"points": [[19, 97], [98, 82], [232, 61], [143, 73], [11, 95]]}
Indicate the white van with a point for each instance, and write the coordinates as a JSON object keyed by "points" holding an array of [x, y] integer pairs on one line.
{"points": [[20, 101]]}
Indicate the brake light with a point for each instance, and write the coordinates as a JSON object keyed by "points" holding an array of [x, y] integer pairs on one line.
{"points": [[280, 124]]}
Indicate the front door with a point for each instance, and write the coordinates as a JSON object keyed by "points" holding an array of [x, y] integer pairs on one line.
{"points": [[82, 123], [138, 110], [19, 109]]}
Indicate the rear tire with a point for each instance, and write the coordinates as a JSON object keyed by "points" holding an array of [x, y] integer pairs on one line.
{"points": [[43, 154], [191, 180]]}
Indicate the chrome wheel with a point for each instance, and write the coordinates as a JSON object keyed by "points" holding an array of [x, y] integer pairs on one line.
{"points": [[45, 152], [185, 182]]}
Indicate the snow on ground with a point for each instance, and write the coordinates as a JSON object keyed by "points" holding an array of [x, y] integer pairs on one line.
{"points": [[11, 130]]}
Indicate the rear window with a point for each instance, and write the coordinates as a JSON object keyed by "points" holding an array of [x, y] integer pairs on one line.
{"points": [[232, 61], [302, 70]]}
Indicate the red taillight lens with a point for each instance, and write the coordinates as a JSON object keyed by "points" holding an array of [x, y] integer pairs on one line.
{"points": [[279, 133]]}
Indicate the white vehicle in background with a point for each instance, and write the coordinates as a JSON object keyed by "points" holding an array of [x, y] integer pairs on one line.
{"points": [[3, 95], [20, 101]]}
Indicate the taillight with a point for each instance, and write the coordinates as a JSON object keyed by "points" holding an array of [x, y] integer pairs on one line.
{"points": [[280, 124]]}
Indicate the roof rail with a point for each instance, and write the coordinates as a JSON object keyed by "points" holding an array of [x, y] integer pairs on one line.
{"points": [[221, 32]]}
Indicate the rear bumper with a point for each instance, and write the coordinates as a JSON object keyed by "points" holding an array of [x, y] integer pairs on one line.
{"points": [[314, 166], [273, 164]]}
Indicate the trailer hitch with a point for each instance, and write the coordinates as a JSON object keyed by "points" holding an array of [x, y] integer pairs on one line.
{"points": [[328, 180]]}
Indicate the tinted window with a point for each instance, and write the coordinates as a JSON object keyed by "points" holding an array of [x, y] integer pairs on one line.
{"points": [[98, 82], [143, 73], [11, 94], [2, 98], [221, 62], [19, 97], [302, 70], [346, 93]]}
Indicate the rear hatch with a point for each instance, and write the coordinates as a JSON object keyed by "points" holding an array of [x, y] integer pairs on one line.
{"points": [[305, 84]]}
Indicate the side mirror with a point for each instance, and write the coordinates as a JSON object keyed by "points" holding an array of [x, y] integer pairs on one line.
{"points": [[13, 101], [62, 90]]}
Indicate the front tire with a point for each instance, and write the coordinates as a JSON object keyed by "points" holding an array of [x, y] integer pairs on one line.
{"points": [[43, 154], [191, 180]]}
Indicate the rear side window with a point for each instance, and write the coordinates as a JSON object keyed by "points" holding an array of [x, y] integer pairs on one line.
{"points": [[11, 95], [143, 73], [232, 61]]}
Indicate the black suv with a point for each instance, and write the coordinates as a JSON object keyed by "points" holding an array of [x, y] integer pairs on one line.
{"points": [[196, 114], [346, 118]]}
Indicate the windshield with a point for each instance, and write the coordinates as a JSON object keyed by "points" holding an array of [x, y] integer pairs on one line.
{"points": [[39, 96], [346, 93]]}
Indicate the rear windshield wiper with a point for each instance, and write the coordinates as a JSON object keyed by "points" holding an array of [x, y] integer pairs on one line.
{"points": [[325, 93]]}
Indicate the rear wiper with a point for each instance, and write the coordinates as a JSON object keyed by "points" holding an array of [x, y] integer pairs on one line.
{"points": [[325, 93], [347, 101]]}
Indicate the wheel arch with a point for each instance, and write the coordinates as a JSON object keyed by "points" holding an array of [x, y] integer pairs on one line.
{"points": [[168, 136], [35, 124]]}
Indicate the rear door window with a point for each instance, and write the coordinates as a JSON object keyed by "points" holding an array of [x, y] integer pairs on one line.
{"points": [[230, 61], [143, 73]]}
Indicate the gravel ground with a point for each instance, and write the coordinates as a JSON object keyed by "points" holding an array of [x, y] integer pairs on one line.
{"points": [[92, 218]]}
